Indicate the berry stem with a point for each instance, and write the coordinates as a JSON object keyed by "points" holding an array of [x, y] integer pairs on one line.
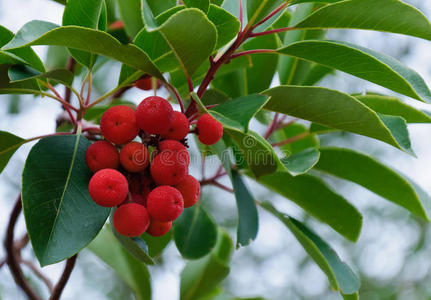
{"points": [[177, 95], [240, 15], [273, 13], [292, 139], [90, 83], [254, 51], [271, 31], [272, 127]]}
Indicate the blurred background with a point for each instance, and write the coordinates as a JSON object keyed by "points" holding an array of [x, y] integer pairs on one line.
{"points": [[392, 255]]}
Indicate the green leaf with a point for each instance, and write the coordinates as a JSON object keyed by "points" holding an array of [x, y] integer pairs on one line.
{"points": [[242, 109], [315, 74], [9, 143], [156, 244], [21, 73], [383, 15], [227, 25], [259, 9], [195, 233], [201, 4], [292, 131], [340, 276], [94, 41], [130, 270], [148, 16], [301, 162], [83, 13], [103, 17], [191, 36], [214, 96], [316, 198], [338, 110], [354, 296], [130, 13], [200, 277], [394, 107], [157, 6], [248, 220], [60, 215], [24, 87], [372, 175], [363, 63]]}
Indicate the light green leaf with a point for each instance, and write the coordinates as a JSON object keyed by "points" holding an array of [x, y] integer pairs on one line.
{"points": [[130, 13], [90, 40], [157, 244], [354, 296], [340, 276], [338, 110], [315, 74], [363, 63], [259, 9], [148, 16], [301, 162], [9, 143], [372, 175], [227, 25], [383, 15], [21, 73], [201, 4], [61, 217]]}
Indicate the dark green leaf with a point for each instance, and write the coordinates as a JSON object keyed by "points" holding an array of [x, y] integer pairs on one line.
{"points": [[103, 17], [60, 215], [363, 63], [340, 276], [9, 143], [338, 110], [315, 74], [157, 6], [148, 16], [130, 13], [195, 233], [20, 73], [24, 87], [383, 15], [259, 9], [201, 4], [301, 162], [214, 96], [227, 25], [373, 175], [94, 41]]}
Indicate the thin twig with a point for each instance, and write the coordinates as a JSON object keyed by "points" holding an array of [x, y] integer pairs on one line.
{"points": [[240, 15], [272, 127], [292, 139], [221, 186], [39, 274], [71, 67], [90, 83], [271, 31], [58, 289], [254, 51], [273, 13], [177, 95]]}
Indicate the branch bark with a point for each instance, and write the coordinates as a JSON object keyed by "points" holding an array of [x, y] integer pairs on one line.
{"points": [[59, 287]]}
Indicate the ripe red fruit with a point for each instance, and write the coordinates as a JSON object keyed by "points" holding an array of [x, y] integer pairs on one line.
{"points": [[210, 130], [166, 169], [178, 129], [146, 84], [190, 189], [116, 25], [131, 219], [177, 150], [108, 187], [158, 228], [102, 155], [165, 203], [134, 157], [154, 115], [118, 124]]}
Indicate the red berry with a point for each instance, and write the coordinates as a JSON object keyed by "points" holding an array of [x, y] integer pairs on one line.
{"points": [[154, 115], [118, 124], [190, 189], [166, 169], [146, 84], [131, 219], [165, 203], [108, 187], [158, 228], [134, 157], [116, 25], [102, 155], [210, 130], [178, 129], [177, 150]]}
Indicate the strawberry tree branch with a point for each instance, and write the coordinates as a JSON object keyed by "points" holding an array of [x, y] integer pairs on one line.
{"points": [[59, 287], [273, 13], [271, 31], [39, 274], [71, 67], [292, 139], [254, 51]]}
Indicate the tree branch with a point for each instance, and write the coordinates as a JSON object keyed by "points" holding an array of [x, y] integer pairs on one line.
{"points": [[58, 289]]}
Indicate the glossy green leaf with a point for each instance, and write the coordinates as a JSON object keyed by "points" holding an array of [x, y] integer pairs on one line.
{"points": [[94, 41], [103, 17], [354, 296], [83, 13], [315, 74], [200, 277], [295, 130], [156, 245], [195, 233], [191, 36], [130, 13], [338, 110], [148, 16], [316, 198], [9, 143], [20, 73], [259, 9], [227, 25], [372, 175], [24, 87], [339, 274], [384, 15], [214, 96], [201, 4], [363, 63], [394, 107], [158, 7], [130, 270], [301, 162], [60, 215]]}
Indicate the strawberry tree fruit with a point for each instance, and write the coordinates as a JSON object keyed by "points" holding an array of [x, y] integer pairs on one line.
{"points": [[210, 131], [118, 124], [154, 115], [165, 203], [102, 155], [131, 219], [108, 187]]}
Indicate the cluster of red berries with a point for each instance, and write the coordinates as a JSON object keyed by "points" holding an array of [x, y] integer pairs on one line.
{"points": [[148, 180]]}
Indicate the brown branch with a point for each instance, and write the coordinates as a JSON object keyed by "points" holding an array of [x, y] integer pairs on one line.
{"points": [[12, 259], [58, 289], [71, 67], [39, 274]]}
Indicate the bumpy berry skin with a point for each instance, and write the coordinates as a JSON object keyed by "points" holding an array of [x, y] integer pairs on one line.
{"points": [[154, 115], [179, 128], [108, 187], [210, 131], [178, 150], [190, 189], [118, 124], [158, 228], [166, 169], [102, 155], [165, 203], [134, 157], [131, 219]]}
